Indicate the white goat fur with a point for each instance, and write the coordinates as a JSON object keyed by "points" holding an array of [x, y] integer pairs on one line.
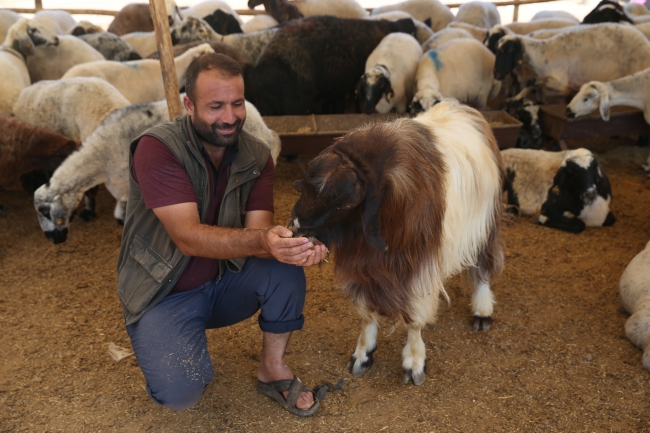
{"points": [[52, 62], [104, 158], [567, 61], [399, 54], [461, 69], [422, 31], [139, 81], [439, 14], [479, 14], [206, 8], [634, 291], [74, 107]]}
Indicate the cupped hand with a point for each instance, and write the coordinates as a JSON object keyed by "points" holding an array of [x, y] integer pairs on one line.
{"points": [[295, 251]]}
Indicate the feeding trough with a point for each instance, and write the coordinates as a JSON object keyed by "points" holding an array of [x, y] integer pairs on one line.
{"points": [[311, 134]]}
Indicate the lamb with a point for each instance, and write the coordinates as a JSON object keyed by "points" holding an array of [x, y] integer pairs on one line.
{"points": [[444, 36], [313, 64], [136, 17], [461, 69], [111, 46], [139, 80], [259, 22], [51, 62], [283, 10], [634, 291], [19, 44], [552, 15], [497, 32], [403, 209], [203, 9], [478, 13], [566, 61], [567, 189], [422, 30], [74, 107], [432, 11], [104, 158], [223, 23], [390, 74]]}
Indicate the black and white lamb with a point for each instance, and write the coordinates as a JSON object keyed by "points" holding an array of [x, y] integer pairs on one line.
{"points": [[567, 189]]}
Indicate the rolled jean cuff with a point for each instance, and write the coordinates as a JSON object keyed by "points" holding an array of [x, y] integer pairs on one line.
{"points": [[282, 327]]}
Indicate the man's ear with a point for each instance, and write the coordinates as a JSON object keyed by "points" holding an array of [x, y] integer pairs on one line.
{"points": [[189, 105]]}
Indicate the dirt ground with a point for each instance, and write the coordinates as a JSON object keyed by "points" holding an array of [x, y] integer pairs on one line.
{"points": [[556, 358]]}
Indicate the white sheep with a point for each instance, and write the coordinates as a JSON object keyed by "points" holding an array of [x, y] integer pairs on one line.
{"points": [[144, 43], [427, 11], [444, 36], [104, 158], [479, 14], [567, 61], [422, 31], [479, 33], [7, 19], [203, 9], [59, 22], [644, 28], [554, 15], [19, 44], [51, 62], [138, 80], [259, 22], [634, 291], [635, 10], [390, 73], [461, 69], [74, 107]]}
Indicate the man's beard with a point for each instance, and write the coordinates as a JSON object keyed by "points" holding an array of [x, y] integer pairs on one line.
{"points": [[210, 132]]}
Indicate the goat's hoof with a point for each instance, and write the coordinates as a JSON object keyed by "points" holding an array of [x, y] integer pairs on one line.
{"points": [[418, 378], [482, 323], [87, 215], [359, 367]]}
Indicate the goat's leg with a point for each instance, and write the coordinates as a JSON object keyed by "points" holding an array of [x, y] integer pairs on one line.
{"points": [[361, 360], [413, 356], [89, 204]]}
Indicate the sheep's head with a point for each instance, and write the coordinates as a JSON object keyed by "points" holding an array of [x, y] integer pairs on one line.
{"points": [[55, 212], [591, 96], [509, 55], [25, 34], [424, 99], [493, 37], [577, 175], [374, 87], [191, 29], [84, 28]]}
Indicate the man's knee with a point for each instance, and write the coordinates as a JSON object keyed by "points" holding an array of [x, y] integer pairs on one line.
{"points": [[179, 396]]}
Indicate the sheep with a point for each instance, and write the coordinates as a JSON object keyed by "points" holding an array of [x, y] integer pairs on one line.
{"points": [[144, 43], [259, 22], [111, 46], [74, 107], [460, 68], [635, 10], [19, 44], [390, 74], [52, 62], [104, 158], [313, 64], [644, 28], [444, 36], [138, 80], [403, 208], [607, 11], [566, 61], [552, 15], [218, 47], [479, 14], [283, 10], [422, 30], [634, 291], [84, 28], [59, 22], [497, 32], [567, 189], [479, 33], [546, 33], [641, 19], [249, 45], [136, 17], [432, 11], [7, 19], [203, 9], [223, 23]]}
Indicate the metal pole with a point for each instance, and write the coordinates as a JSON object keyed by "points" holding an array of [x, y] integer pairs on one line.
{"points": [[166, 53]]}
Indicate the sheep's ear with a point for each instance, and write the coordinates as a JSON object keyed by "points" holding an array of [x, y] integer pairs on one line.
{"points": [[560, 176], [297, 185], [604, 104], [25, 46], [371, 222]]}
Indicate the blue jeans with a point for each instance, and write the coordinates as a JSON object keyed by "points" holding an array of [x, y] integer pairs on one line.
{"points": [[169, 341]]}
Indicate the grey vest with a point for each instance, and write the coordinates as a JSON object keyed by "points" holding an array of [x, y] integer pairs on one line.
{"points": [[149, 263]]}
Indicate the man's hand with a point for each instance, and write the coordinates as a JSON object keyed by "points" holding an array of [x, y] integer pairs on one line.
{"points": [[278, 242]]}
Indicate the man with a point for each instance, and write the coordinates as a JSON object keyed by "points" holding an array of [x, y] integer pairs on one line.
{"points": [[199, 249]]}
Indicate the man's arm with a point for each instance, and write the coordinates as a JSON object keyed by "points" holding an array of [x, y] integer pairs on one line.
{"points": [[259, 238]]}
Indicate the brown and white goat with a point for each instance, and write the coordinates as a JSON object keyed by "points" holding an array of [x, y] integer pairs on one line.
{"points": [[404, 206]]}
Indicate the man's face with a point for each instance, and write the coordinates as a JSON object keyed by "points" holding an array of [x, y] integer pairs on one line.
{"points": [[219, 111]]}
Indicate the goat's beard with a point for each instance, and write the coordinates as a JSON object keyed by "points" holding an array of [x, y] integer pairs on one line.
{"points": [[210, 132]]}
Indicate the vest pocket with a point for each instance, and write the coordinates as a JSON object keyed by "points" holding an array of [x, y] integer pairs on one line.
{"points": [[153, 262]]}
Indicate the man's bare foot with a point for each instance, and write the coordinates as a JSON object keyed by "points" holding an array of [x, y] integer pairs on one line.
{"points": [[271, 373]]}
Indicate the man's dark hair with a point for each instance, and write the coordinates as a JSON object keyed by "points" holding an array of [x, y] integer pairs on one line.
{"points": [[207, 62]]}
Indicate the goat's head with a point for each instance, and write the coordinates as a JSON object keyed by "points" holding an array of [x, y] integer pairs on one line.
{"points": [[191, 29], [509, 55], [424, 100], [578, 175], [591, 96], [333, 190], [373, 87], [55, 212], [493, 37]]}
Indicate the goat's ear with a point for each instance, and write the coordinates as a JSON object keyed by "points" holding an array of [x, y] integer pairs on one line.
{"points": [[371, 222], [560, 176], [297, 185], [604, 103]]}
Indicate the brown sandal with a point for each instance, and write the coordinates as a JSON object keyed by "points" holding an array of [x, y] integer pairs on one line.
{"points": [[295, 388]]}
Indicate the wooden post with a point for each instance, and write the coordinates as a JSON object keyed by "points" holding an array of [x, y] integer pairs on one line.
{"points": [[166, 53], [38, 4], [515, 12]]}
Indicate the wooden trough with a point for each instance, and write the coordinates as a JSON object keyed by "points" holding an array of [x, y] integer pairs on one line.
{"points": [[623, 121], [308, 135]]}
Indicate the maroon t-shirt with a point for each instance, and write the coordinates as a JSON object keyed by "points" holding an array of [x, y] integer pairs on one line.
{"points": [[164, 182]]}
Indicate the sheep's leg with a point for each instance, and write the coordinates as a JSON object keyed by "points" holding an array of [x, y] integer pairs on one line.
{"points": [[361, 360], [120, 212], [490, 264], [89, 204], [413, 356]]}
